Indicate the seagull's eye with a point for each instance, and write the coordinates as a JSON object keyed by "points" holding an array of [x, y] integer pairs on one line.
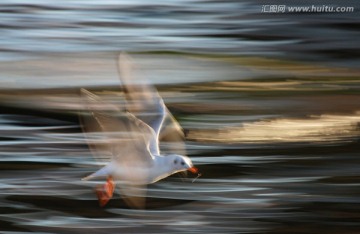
{"points": [[175, 161], [182, 163]]}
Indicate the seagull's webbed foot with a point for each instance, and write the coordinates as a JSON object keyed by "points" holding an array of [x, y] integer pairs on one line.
{"points": [[105, 192]]}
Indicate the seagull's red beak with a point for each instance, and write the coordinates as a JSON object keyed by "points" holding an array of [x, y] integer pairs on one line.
{"points": [[193, 170]]}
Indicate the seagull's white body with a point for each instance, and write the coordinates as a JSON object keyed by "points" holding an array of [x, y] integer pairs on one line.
{"points": [[132, 139], [140, 175]]}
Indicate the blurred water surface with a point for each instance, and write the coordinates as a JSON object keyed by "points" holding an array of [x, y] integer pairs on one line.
{"points": [[269, 103]]}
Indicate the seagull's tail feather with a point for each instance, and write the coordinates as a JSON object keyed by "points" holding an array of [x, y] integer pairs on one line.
{"points": [[102, 172]]}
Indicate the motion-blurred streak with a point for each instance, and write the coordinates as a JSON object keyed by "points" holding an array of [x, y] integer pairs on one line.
{"points": [[315, 129]]}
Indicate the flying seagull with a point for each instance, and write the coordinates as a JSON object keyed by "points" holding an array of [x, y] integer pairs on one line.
{"points": [[130, 137]]}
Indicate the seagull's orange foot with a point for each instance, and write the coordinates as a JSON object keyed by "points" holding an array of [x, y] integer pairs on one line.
{"points": [[105, 192]]}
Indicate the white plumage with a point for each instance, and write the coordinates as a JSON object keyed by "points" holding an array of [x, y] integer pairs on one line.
{"points": [[131, 140]]}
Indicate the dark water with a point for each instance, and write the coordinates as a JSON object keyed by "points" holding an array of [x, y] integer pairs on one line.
{"points": [[269, 103]]}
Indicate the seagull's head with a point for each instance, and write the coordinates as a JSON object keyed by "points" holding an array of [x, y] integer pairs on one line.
{"points": [[182, 163]]}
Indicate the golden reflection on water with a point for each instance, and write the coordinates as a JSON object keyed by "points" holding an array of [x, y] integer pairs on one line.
{"points": [[242, 131], [312, 129], [227, 72]]}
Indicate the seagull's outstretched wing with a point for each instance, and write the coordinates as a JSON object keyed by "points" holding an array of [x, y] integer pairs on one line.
{"points": [[144, 101], [123, 135], [123, 138]]}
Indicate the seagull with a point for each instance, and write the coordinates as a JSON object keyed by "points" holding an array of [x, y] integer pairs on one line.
{"points": [[129, 137]]}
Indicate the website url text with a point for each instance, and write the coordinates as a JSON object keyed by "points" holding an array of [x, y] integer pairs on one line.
{"points": [[305, 9]]}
